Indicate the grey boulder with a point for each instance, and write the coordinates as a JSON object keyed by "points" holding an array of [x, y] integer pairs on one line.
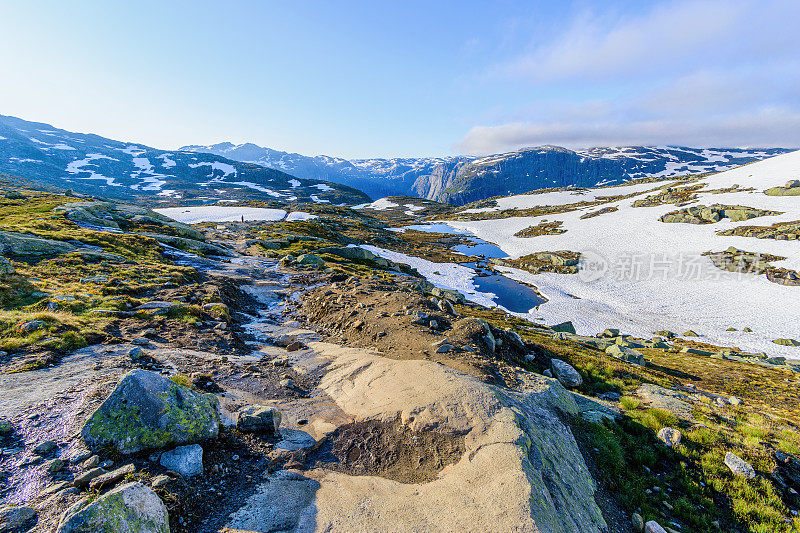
{"points": [[185, 460], [739, 466], [565, 373], [149, 411], [129, 507]]}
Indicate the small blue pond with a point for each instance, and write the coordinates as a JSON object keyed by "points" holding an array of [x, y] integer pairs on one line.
{"points": [[512, 295]]}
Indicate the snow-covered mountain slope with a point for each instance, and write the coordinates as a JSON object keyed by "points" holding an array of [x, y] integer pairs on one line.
{"points": [[376, 177], [464, 179], [95, 165], [641, 274]]}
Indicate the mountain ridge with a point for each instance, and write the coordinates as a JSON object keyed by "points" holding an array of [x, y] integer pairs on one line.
{"points": [[464, 179], [91, 164]]}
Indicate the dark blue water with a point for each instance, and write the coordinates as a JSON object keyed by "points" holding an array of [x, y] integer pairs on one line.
{"points": [[480, 247], [513, 295]]}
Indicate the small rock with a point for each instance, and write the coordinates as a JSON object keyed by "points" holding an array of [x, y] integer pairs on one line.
{"points": [[293, 347], [565, 327], [259, 419], [445, 348], [45, 448], [609, 396], [54, 465], [185, 460], [6, 428], [80, 455], [160, 481], [108, 463], [653, 527], [82, 481], [547, 372], [141, 341], [671, 437], [739, 466], [565, 373], [638, 522], [14, 519], [111, 478], [286, 383], [734, 400]]}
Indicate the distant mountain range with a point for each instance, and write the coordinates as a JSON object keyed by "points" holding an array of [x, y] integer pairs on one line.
{"points": [[94, 165], [465, 179], [99, 166]]}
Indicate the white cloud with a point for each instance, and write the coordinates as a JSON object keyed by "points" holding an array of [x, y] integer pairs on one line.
{"points": [[691, 72], [671, 35], [770, 126]]}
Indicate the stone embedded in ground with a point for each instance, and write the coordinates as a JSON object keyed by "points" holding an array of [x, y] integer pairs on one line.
{"points": [[739, 466], [45, 448], [669, 436], [20, 244], [564, 327], [14, 519], [185, 460], [565, 373], [662, 398], [149, 411], [160, 481], [637, 522], [258, 419], [131, 507], [653, 527], [103, 481], [82, 481]]}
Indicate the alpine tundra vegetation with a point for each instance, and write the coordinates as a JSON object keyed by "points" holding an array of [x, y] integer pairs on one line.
{"points": [[549, 284]]}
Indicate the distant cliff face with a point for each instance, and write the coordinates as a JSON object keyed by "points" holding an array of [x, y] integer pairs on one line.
{"points": [[465, 179], [463, 182]]}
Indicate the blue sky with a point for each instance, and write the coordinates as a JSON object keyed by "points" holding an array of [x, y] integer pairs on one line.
{"points": [[364, 79]]}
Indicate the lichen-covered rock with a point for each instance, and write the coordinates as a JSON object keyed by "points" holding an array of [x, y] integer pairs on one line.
{"points": [[310, 260], [20, 244], [739, 466], [6, 268], [149, 411], [629, 355], [13, 519], [671, 437], [129, 508], [565, 373]]}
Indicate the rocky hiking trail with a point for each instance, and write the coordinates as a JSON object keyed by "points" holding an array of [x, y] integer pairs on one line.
{"points": [[367, 439], [301, 382]]}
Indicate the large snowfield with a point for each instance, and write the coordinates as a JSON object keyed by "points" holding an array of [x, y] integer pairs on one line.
{"points": [[642, 275], [216, 213]]}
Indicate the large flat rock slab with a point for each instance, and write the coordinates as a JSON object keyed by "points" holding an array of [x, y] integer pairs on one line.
{"points": [[521, 469]]}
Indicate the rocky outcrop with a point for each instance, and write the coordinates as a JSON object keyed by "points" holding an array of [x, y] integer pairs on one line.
{"points": [[22, 245], [131, 507], [149, 411], [531, 474], [792, 188], [700, 214]]}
